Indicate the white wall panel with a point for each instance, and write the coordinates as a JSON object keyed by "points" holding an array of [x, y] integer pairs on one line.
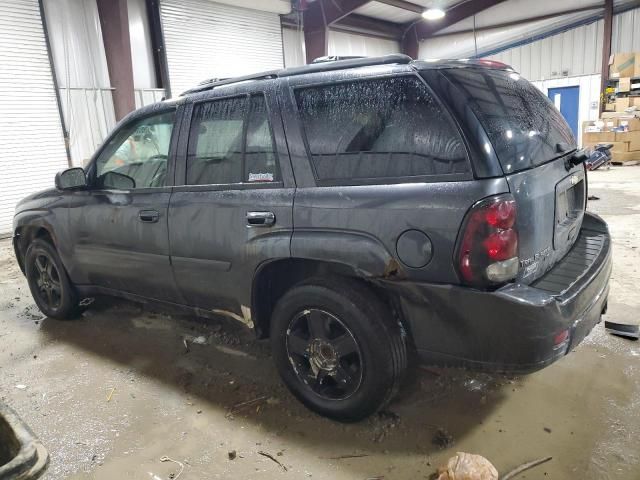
{"points": [[293, 46], [76, 43], [571, 53], [342, 43], [144, 73], [89, 113], [626, 32], [207, 40], [30, 130], [80, 62]]}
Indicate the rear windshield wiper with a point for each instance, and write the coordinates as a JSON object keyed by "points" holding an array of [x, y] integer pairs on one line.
{"points": [[576, 158]]}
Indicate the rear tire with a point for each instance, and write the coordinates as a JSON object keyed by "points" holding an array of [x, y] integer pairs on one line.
{"points": [[49, 283], [338, 348]]}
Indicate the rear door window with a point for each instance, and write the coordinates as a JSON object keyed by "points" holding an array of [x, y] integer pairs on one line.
{"points": [[523, 125], [379, 131], [230, 142]]}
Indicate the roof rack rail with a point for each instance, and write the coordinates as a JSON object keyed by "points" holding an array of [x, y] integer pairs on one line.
{"points": [[335, 58], [214, 82], [323, 64], [328, 65]]}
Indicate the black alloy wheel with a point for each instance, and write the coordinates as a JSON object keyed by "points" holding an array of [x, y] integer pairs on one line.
{"points": [[49, 283], [338, 347], [47, 279], [324, 354]]}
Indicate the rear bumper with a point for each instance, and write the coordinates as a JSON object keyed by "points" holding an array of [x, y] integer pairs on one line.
{"points": [[518, 328]]}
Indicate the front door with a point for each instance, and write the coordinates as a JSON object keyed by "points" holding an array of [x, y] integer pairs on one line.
{"points": [[120, 224], [566, 99], [233, 210]]}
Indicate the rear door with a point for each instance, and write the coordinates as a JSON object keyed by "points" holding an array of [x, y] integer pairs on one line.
{"points": [[532, 142], [232, 209]]}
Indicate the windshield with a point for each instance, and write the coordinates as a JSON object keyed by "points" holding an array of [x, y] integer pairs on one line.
{"points": [[523, 125]]}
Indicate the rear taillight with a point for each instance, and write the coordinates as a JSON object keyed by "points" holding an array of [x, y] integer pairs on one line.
{"points": [[488, 246]]}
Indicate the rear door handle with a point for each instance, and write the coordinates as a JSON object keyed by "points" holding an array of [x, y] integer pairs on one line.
{"points": [[149, 216], [260, 219]]}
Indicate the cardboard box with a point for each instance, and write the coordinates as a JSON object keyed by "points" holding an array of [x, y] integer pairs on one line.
{"points": [[610, 107], [622, 103], [634, 101], [622, 65], [624, 84], [596, 137], [625, 156], [630, 138], [632, 124]]}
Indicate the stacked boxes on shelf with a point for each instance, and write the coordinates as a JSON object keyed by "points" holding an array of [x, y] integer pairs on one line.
{"points": [[623, 89], [619, 124]]}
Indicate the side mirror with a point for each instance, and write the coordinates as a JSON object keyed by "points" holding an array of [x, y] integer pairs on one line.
{"points": [[71, 179], [117, 180]]}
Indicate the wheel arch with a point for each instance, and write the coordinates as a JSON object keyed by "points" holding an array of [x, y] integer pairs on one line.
{"points": [[25, 234], [274, 278]]}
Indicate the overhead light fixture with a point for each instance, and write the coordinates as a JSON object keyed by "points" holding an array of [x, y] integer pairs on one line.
{"points": [[433, 14]]}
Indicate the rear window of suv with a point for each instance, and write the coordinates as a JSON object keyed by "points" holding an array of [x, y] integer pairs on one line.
{"points": [[387, 130], [523, 125]]}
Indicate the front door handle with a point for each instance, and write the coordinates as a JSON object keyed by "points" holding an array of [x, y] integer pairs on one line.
{"points": [[260, 219], [149, 216]]}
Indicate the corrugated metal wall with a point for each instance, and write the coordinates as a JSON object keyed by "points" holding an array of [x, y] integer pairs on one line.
{"points": [[207, 40], [626, 32], [30, 130], [571, 53]]}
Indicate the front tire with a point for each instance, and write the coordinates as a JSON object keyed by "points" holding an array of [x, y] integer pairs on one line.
{"points": [[49, 283], [338, 348]]}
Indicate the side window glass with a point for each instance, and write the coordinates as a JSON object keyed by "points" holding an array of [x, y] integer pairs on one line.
{"points": [[372, 129], [230, 142], [137, 156]]}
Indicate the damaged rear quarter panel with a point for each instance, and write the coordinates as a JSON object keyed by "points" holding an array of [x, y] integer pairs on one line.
{"points": [[359, 225]]}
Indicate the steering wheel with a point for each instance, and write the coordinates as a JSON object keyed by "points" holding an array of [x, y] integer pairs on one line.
{"points": [[161, 173]]}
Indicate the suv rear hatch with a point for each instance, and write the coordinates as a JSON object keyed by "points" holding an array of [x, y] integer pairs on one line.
{"points": [[533, 144]]}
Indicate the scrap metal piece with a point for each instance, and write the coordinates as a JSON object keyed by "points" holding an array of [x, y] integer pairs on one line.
{"points": [[623, 329]]}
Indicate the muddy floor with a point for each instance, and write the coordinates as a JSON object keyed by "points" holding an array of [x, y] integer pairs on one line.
{"points": [[128, 392]]}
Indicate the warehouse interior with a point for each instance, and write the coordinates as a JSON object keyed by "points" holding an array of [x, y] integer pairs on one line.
{"points": [[138, 391]]}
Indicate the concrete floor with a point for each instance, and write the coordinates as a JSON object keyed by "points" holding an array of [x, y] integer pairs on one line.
{"points": [[113, 393]]}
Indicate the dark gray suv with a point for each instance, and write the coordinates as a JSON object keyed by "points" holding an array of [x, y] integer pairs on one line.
{"points": [[358, 212]]}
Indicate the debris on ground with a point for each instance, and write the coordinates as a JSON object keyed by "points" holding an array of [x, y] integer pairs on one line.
{"points": [[181, 465], [249, 403], [623, 329], [593, 197], [347, 456], [21, 386], [232, 455], [110, 394], [442, 438], [467, 466], [383, 422], [525, 466], [272, 458]]}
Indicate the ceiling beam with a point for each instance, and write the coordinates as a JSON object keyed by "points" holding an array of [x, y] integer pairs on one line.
{"points": [[454, 14], [404, 5], [515, 23], [322, 13]]}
